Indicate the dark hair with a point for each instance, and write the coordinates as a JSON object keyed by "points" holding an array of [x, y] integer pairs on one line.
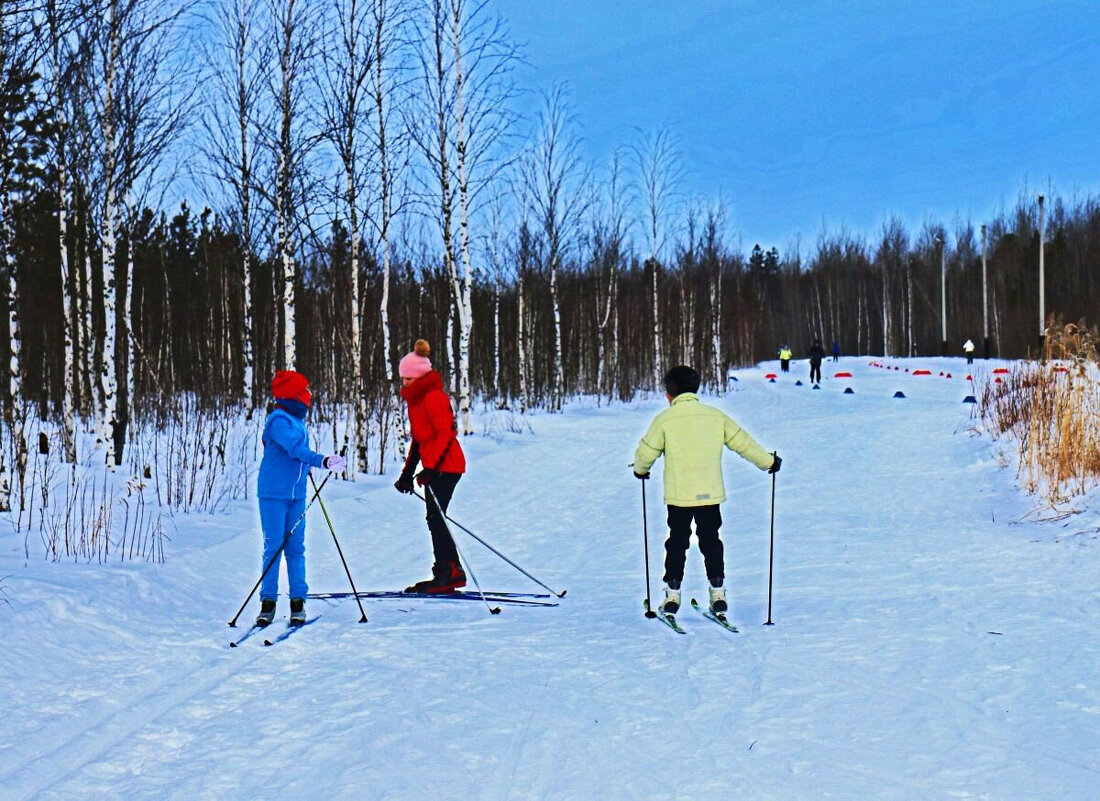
{"points": [[681, 379]]}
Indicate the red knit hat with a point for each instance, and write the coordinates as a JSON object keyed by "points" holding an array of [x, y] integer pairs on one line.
{"points": [[291, 384]]}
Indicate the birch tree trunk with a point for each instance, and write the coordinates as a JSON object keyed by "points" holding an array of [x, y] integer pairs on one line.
{"points": [[68, 426], [383, 90], [463, 287], [58, 68], [885, 311], [244, 103], [14, 367], [129, 343], [284, 202], [90, 394], [521, 340], [716, 327], [658, 362], [559, 370], [909, 308], [108, 410]]}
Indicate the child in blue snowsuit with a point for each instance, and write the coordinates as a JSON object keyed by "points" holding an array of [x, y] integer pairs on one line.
{"points": [[284, 473]]}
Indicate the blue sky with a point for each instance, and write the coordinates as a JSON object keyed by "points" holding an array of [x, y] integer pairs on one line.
{"points": [[809, 114]]}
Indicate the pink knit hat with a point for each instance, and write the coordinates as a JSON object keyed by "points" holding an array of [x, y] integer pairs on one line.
{"points": [[417, 363]]}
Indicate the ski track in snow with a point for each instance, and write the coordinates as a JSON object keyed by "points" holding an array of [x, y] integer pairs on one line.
{"points": [[925, 646]]}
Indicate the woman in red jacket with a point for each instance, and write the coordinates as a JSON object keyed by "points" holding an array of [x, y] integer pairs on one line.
{"points": [[435, 445]]}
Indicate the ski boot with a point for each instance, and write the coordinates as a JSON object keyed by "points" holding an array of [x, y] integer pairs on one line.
{"points": [[444, 579], [718, 603], [449, 579], [297, 611], [422, 586], [267, 612], [671, 603]]}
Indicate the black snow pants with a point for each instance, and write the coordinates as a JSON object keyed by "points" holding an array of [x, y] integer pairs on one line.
{"points": [[708, 520], [815, 370], [442, 488]]}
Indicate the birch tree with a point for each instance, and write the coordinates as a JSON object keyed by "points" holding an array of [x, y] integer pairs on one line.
{"points": [[659, 171], [346, 101], [390, 144], [232, 103], [66, 71], [608, 236], [713, 258], [145, 105], [22, 144], [558, 195], [465, 59], [294, 44]]}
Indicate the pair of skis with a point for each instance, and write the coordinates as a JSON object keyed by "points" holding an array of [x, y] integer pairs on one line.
{"points": [[715, 617], [290, 629], [517, 598]]}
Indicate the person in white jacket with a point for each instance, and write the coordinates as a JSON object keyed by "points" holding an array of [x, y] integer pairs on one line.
{"points": [[968, 349]]}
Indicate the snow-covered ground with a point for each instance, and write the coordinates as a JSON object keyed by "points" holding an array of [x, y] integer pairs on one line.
{"points": [[932, 638]]}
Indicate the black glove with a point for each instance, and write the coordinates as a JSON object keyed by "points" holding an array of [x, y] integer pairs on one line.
{"points": [[642, 476], [404, 484], [426, 476], [775, 465]]}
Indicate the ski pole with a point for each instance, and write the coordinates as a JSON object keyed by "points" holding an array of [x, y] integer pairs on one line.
{"points": [[498, 553], [339, 550], [233, 622], [771, 554], [645, 539], [493, 610]]}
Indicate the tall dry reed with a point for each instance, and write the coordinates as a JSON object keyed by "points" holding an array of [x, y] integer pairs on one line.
{"points": [[1052, 409]]}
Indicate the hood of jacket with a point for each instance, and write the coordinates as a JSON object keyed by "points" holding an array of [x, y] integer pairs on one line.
{"points": [[416, 391]]}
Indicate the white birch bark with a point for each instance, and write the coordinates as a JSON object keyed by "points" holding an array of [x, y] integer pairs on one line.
{"points": [[244, 170], [658, 362], [382, 91], [68, 426], [127, 316], [463, 286], [909, 308], [716, 328], [108, 411], [521, 340], [885, 310], [14, 369], [559, 371], [64, 193], [87, 331], [283, 192]]}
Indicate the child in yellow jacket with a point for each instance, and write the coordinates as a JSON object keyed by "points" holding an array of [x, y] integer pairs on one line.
{"points": [[691, 435]]}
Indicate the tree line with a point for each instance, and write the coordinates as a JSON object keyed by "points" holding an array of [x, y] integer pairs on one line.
{"points": [[359, 177]]}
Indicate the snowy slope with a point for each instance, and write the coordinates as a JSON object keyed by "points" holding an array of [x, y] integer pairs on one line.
{"points": [[926, 644]]}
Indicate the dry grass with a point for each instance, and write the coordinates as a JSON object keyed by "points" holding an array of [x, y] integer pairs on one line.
{"points": [[1052, 408]]}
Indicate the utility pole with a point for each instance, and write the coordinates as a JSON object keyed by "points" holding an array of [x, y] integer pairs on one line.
{"points": [[1042, 281], [943, 293], [985, 299]]}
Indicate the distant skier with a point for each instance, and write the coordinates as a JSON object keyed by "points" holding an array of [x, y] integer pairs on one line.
{"points": [[968, 349], [836, 351], [281, 490], [817, 353], [785, 358], [691, 435], [435, 446]]}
